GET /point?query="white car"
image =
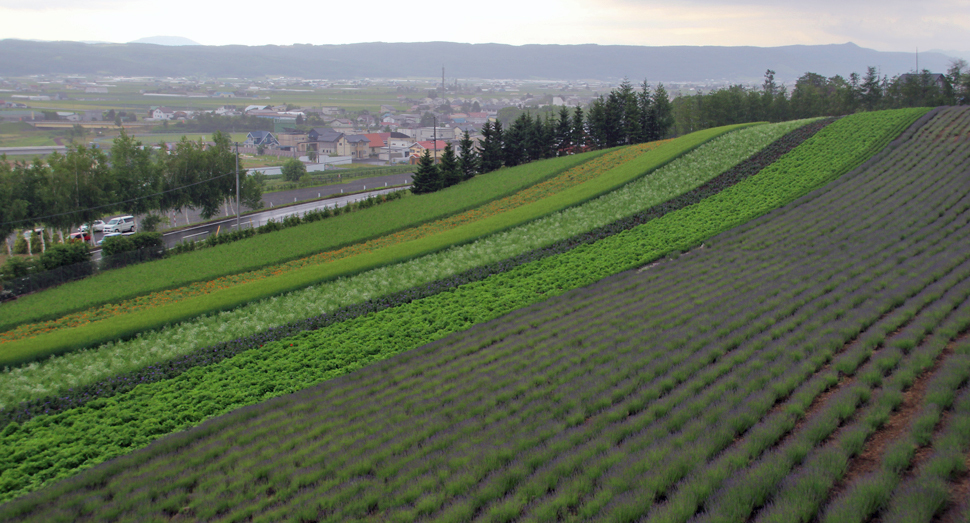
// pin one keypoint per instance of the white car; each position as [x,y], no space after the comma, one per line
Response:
[96,226]
[121,224]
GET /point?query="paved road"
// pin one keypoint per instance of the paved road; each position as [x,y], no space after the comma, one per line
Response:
[257,219]
[38,150]
[284,197]
[201,232]
[272,200]
[275,199]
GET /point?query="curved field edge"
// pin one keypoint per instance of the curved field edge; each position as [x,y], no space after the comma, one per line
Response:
[71,371]
[568,178]
[120,383]
[43,446]
[280,246]
[122,327]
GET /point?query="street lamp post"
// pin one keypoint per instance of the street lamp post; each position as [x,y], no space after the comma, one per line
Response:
[237,186]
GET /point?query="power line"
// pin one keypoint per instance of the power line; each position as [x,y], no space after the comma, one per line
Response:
[41,218]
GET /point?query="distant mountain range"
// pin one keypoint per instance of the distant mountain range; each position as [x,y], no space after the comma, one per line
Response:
[165,40]
[462,61]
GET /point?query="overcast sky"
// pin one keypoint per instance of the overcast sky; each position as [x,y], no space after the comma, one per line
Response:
[885,25]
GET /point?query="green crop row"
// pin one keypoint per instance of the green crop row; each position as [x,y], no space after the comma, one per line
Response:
[49,447]
[279,247]
[124,326]
[81,368]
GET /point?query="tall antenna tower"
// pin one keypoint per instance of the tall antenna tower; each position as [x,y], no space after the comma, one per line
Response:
[442,80]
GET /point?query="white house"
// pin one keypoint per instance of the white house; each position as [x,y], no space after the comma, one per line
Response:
[161,113]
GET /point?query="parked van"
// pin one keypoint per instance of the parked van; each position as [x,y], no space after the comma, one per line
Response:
[120,224]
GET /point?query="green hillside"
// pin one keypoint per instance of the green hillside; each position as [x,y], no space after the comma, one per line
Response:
[779,339]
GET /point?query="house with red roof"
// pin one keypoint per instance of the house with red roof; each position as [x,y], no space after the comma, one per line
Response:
[436,148]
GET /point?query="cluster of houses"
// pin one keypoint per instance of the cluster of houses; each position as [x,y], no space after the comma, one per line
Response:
[392,147]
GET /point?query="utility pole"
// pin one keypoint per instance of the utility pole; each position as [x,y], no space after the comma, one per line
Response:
[434,121]
[237,186]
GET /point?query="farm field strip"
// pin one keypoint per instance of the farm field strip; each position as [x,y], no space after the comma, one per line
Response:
[871,489]
[226,299]
[683,503]
[612,245]
[653,471]
[569,178]
[926,496]
[87,367]
[845,186]
[657,475]
[863,406]
[816,214]
[281,246]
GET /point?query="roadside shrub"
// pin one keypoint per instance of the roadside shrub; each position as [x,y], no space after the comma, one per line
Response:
[15,267]
[65,254]
[116,244]
[119,251]
[20,244]
[141,240]
[35,245]
[144,240]
[293,170]
[150,223]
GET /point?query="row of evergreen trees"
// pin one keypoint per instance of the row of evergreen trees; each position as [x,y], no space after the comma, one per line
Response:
[624,117]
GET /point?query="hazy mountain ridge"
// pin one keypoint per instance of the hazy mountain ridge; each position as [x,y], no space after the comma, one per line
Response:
[390,60]
[165,40]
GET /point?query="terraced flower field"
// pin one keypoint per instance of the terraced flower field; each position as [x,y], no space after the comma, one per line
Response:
[285,245]
[574,176]
[639,397]
[82,372]
[61,341]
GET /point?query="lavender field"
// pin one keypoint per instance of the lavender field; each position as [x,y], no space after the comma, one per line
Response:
[811,364]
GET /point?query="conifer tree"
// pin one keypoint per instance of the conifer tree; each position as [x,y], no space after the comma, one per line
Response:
[645,102]
[579,130]
[564,133]
[468,163]
[515,141]
[491,148]
[596,123]
[662,113]
[449,169]
[427,178]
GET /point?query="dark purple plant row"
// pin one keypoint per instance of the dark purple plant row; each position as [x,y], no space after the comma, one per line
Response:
[215,353]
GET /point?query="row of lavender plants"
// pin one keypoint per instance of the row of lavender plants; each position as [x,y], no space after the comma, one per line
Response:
[926,495]
[564,385]
[802,493]
[871,493]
